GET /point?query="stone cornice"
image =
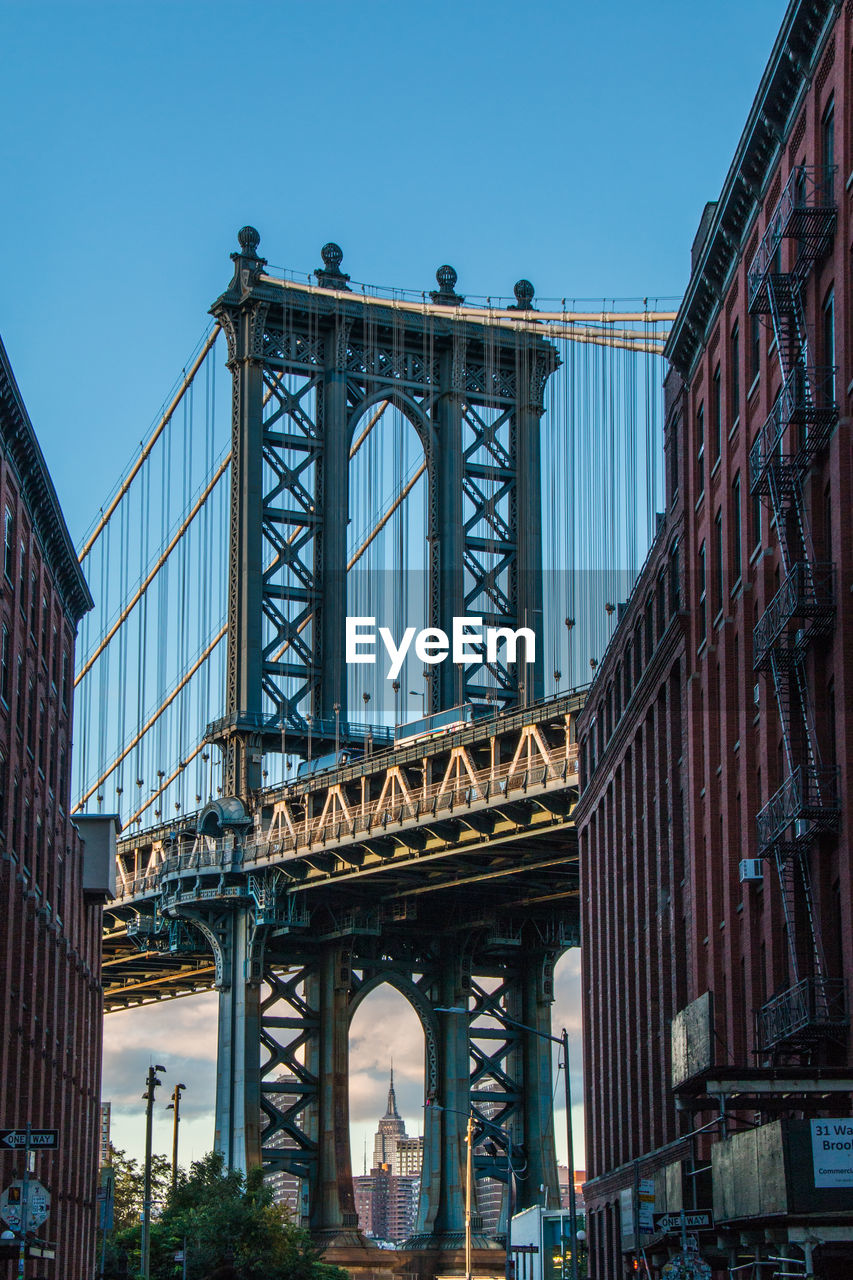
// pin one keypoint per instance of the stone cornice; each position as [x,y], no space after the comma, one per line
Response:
[786,79]
[21,447]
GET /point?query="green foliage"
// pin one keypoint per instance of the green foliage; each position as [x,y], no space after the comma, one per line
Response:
[230,1227]
[129,1184]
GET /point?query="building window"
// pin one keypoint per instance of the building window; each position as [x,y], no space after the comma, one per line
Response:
[717,412]
[16,809]
[673,462]
[54,652]
[661,594]
[674,592]
[718,562]
[627,672]
[754,347]
[703,620]
[37,852]
[22,581]
[755,521]
[34,603]
[736,529]
[42,736]
[4,665]
[60,886]
[19,700]
[31,714]
[45,619]
[700,451]
[3,784]
[63,780]
[650,629]
[9,546]
[25,845]
[829,343]
[734,357]
[617,693]
[828,146]
[65,679]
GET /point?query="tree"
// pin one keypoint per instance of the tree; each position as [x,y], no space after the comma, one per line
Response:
[230,1228]
[129,1185]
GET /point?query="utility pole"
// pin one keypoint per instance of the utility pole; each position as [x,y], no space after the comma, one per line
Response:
[175,1105]
[151,1082]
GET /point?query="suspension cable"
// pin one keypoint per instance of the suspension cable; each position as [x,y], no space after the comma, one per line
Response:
[152,720]
[152,440]
[143,587]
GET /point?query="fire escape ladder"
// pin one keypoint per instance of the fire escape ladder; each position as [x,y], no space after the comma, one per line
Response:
[796,430]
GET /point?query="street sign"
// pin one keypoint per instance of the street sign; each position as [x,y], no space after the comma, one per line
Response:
[38,1204]
[698,1220]
[39,1138]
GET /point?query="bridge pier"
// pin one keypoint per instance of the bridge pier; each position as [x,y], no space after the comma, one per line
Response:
[238,1092]
[333,1216]
[536,992]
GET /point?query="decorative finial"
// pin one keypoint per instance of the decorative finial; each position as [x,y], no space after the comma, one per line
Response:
[446,293]
[446,278]
[330,276]
[524,292]
[249,239]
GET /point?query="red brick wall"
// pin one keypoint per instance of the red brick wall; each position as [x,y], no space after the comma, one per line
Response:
[50,947]
[664,915]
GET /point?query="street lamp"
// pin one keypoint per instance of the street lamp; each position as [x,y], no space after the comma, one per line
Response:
[151,1082]
[563,1040]
[175,1105]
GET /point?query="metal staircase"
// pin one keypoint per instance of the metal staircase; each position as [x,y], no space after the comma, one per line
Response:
[797,429]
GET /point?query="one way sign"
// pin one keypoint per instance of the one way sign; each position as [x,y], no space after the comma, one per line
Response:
[39,1138]
[695,1221]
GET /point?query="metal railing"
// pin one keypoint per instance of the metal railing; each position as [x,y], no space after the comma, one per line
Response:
[808,592]
[358,821]
[806,210]
[813,1009]
[806,804]
[806,401]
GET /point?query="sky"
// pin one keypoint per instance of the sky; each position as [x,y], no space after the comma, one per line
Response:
[573,144]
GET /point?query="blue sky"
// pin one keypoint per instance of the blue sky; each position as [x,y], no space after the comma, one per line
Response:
[572,144]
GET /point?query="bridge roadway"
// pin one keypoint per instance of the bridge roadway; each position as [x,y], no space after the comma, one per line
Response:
[471,826]
[446,868]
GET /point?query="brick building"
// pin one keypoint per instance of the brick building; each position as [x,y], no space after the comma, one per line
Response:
[52,883]
[717,740]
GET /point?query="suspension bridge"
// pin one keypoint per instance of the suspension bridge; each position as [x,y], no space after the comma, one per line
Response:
[298,829]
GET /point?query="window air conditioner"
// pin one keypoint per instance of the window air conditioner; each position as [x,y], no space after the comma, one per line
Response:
[751,869]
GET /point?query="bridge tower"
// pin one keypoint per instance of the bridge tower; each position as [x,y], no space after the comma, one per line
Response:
[306,367]
[307,364]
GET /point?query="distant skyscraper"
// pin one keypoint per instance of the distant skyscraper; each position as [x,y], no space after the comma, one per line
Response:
[386,1199]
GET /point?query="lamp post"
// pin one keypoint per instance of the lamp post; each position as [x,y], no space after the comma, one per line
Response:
[175,1105]
[151,1082]
[469,1139]
[563,1040]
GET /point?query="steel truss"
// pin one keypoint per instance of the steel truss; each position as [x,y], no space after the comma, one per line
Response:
[306,370]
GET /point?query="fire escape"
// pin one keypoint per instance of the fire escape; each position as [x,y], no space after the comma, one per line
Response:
[812,1011]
